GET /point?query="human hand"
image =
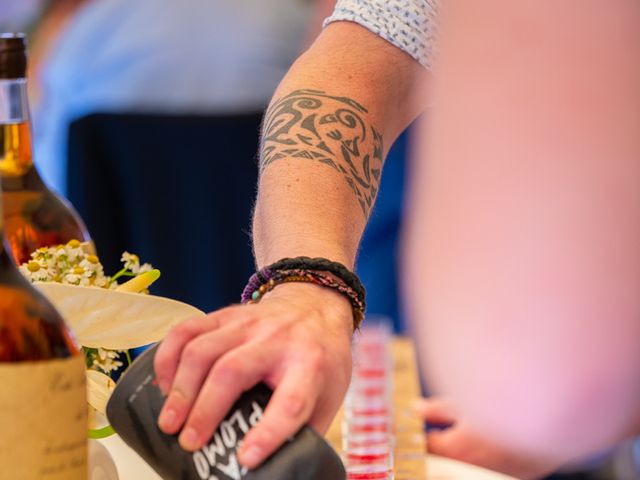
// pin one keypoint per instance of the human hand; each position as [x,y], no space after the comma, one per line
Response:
[459,442]
[296,340]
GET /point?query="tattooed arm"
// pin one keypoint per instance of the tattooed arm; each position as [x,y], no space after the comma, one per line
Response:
[325,136]
[322,154]
[304,124]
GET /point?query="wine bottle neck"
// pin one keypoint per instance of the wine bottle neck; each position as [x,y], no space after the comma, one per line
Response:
[16,159]
[14,105]
[7,265]
[3,253]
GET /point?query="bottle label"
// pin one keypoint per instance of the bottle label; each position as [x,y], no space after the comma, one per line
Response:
[43,420]
[14,107]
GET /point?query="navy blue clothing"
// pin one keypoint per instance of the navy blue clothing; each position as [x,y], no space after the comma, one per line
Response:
[176,190]
[378,260]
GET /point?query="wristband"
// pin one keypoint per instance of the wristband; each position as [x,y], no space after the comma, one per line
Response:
[318,271]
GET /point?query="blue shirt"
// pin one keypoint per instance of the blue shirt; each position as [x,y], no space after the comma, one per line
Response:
[164,56]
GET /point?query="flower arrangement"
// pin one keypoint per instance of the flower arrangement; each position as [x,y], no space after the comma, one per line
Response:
[107,317]
[74,264]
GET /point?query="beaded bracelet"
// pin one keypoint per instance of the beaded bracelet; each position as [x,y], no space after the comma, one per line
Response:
[268,278]
[307,263]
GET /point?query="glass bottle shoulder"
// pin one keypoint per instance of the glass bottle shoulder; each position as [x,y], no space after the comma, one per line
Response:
[30,328]
[36,217]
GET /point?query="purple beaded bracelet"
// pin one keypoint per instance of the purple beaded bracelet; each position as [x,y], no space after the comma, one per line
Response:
[266,279]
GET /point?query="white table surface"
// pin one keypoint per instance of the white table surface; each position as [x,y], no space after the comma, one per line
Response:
[440,468]
[131,467]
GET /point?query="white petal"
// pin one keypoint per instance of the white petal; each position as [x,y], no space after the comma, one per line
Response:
[105,318]
[99,389]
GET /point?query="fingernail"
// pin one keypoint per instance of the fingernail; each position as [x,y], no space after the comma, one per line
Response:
[167,419]
[251,456]
[189,439]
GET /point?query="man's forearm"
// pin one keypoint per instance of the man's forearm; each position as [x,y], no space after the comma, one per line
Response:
[324,139]
[321,160]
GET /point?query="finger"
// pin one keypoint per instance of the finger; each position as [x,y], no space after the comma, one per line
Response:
[325,410]
[196,360]
[167,357]
[443,443]
[434,411]
[169,352]
[458,443]
[289,408]
[234,373]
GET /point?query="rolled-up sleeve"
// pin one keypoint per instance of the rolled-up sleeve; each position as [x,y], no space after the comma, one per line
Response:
[410,25]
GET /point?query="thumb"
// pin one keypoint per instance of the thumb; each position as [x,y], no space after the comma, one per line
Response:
[434,410]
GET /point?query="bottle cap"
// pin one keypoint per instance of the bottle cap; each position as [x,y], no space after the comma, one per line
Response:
[13,55]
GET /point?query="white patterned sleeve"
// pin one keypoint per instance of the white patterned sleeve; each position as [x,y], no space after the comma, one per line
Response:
[410,25]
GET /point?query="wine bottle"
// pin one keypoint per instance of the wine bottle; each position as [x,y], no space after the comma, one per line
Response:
[43,405]
[34,216]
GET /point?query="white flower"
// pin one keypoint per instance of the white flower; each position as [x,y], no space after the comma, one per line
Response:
[35,272]
[42,275]
[44,257]
[74,250]
[58,252]
[131,262]
[71,264]
[90,267]
[107,360]
[93,272]
[145,267]
[71,279]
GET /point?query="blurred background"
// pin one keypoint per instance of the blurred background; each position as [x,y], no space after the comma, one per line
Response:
[146,115]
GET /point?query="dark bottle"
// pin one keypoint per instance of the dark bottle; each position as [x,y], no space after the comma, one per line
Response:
[43,406]
[34,216]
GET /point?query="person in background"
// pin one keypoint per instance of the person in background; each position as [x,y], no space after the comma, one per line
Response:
[522,259]
[19,15]
[219,60]
[147,116]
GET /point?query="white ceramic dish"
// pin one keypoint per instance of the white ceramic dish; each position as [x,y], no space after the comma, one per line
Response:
[130,465]
[101,463]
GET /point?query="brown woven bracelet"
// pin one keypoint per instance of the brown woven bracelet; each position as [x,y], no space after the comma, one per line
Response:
[317,278]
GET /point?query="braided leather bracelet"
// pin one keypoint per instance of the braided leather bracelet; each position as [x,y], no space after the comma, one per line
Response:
[309,270]
[322,265]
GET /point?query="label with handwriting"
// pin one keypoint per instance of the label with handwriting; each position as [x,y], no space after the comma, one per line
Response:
[43,420]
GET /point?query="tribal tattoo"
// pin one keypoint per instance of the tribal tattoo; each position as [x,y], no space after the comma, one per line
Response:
[311,125]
